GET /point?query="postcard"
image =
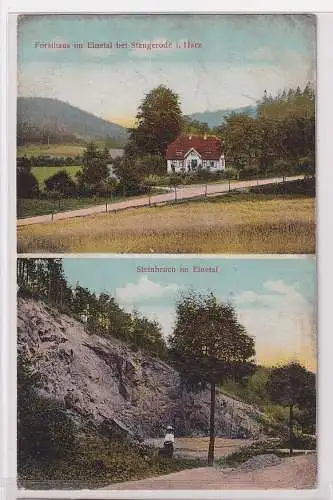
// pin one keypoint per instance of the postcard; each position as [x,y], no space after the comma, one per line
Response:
[166,373]
[169,133]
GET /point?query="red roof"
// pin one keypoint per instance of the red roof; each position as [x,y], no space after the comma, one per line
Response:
[209,148]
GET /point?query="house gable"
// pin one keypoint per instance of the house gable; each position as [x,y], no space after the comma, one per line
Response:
[192,152]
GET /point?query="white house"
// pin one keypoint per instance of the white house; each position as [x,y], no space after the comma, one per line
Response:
[192,153]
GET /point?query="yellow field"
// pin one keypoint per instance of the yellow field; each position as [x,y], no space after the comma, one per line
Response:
[240,225]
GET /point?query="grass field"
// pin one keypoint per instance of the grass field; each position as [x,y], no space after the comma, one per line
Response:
[51,150]
[42,173]
[245,223]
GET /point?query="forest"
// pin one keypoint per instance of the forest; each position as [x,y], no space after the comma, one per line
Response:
[44,279]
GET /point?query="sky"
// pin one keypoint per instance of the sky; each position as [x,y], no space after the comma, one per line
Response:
[274,297]
[238,58]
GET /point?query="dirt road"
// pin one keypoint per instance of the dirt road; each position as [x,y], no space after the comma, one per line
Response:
[197,447]
[183,193]
[292,473]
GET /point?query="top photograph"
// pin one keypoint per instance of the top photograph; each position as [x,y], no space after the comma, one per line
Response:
[166,133]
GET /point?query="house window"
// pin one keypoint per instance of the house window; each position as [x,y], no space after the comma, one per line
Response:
[180,163]
[212,163]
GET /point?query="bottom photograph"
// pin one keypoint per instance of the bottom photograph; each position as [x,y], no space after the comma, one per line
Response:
[166,373]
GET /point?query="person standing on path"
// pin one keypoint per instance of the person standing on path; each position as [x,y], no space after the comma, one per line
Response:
[169,441]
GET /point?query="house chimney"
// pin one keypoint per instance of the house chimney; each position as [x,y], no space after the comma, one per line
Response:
[190,137]
[205,136]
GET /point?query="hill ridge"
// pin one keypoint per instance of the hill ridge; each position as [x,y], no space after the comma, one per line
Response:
[61,116]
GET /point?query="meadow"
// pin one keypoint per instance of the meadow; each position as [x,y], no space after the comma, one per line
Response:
[61,150]
[43,173]
[246,223]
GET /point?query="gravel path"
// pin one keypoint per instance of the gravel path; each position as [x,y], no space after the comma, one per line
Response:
[183,193]
[291,473]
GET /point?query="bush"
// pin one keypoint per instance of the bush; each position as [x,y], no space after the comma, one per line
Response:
[303,187]
[98,462]
[301,442]
[62,183]
[27,185]
[45,430]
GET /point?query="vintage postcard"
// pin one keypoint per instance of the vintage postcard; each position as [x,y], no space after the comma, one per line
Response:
[166,373]
[166,133]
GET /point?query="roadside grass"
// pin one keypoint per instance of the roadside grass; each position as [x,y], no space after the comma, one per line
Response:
[31,207]
[246,223]
[63,150]
[278,447]
[43,173]
[99,462]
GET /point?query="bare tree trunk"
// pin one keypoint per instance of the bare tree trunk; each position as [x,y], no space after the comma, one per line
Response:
[290,430]
[211,426]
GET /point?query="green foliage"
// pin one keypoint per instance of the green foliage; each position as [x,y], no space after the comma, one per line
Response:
[45,430]
[159,121]
[208,346]
[44,279]
[280,168]
[26,184]
[150,165]
[283,130]
[98,462]
[306,167]
[94,170]
[131,174]
[208,343]
[60,183]
[292,384]
[253,390]
[191,126]
[301,187]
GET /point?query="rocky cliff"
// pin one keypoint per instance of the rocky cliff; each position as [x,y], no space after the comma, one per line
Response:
[105,382]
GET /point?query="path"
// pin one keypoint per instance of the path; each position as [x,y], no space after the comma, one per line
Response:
[183,193]
[295,472]
[196,447]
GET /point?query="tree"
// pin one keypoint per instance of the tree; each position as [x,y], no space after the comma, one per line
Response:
[194,127]
[174,181]
[94,170]
[241,135]
[26,184]
[280,168]
[230,174]
[131,178]
[159,122]
[306,167]
[291,385]
[62,183]
[209,346]
[205,176]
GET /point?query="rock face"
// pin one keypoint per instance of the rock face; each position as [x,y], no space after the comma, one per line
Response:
[105,382]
